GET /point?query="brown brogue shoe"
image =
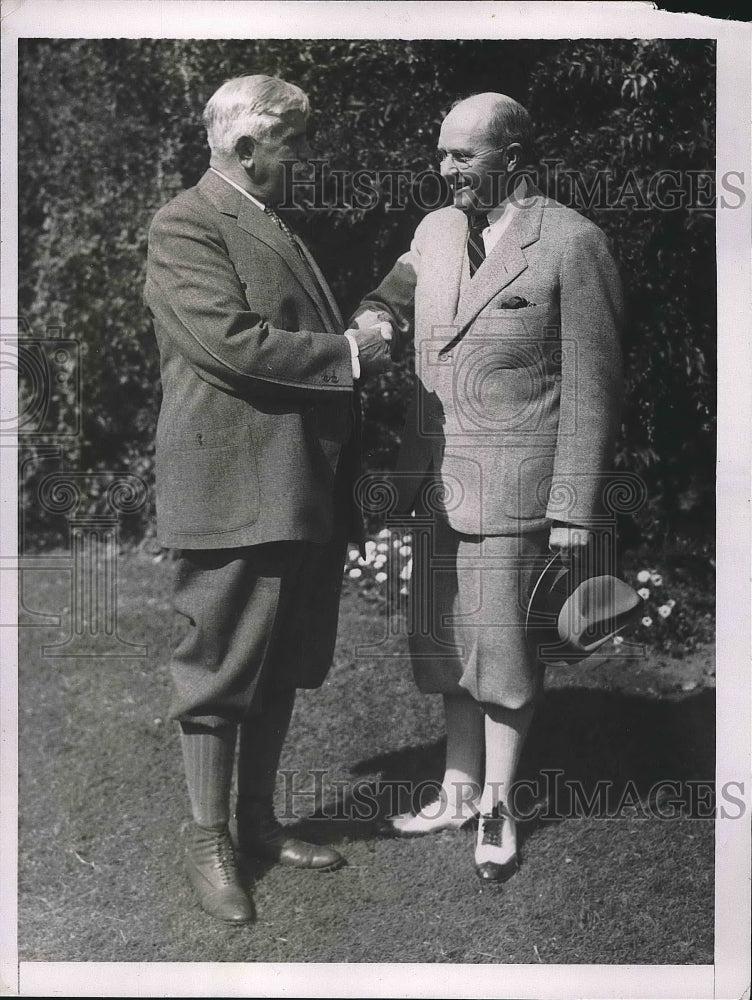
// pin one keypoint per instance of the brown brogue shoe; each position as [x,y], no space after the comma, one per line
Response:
[213,872]
[260,835]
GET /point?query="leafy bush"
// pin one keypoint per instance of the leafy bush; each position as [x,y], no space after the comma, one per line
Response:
[109,130]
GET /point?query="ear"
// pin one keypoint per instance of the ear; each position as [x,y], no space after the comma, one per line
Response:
[245,148]
[514,156]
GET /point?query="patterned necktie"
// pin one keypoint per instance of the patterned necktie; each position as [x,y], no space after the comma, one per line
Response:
[476,250]
[293,239]
[282,225]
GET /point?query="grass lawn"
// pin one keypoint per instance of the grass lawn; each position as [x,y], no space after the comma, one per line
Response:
[102,797]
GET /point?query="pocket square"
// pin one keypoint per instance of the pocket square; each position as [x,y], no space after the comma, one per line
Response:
[515,302]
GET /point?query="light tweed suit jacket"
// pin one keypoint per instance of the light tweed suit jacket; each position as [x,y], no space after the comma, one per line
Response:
[518,370]
[257,410]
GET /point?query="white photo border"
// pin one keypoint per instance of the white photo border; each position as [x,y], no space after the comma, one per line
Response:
[729,975]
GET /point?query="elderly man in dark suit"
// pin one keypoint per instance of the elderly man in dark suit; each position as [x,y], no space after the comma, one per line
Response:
[515,305]
[256,456]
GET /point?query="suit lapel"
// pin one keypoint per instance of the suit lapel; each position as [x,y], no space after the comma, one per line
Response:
[323,286]
[446,270]
[252,220]
[506,261]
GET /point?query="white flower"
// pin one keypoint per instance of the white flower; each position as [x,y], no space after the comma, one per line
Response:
[382,547]
[643,576]
[671,603]
[384,533]
[405,551]
[647,621]
[379,561]
[353,554]
[618,640]
[397,544]
[355,573]
[407,539]
[380,578]
[656,579]
[407,570]
[644,593]
[664,611]
[404,591]
[370,548]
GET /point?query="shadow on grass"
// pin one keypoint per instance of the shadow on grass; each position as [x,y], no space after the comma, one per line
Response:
[589,754]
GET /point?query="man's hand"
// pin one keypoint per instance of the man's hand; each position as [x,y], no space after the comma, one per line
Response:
[373,348]
[569,541]
[371,318]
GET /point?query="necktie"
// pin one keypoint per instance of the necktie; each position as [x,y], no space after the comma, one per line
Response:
[476,250]
[292,238]
[282,225]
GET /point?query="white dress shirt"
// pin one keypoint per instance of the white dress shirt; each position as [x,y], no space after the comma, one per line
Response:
[500,218]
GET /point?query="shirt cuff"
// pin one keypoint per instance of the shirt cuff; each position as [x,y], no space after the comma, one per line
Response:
[353,355]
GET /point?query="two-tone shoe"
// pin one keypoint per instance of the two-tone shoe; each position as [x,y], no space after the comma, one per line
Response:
[496,855]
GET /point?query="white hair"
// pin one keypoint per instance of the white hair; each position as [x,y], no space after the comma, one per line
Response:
[249,105]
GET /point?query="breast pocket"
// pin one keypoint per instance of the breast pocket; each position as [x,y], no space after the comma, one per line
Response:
[210,480]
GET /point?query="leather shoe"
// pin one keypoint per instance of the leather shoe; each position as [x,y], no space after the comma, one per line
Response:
[213,872]
[496,856]
[262,836]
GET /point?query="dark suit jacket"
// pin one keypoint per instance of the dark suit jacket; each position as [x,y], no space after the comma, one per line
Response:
[257,410]
[515,409]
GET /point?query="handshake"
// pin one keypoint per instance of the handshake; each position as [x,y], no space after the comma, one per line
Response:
[371,339]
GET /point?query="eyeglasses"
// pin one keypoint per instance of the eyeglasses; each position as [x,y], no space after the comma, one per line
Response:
[462,160]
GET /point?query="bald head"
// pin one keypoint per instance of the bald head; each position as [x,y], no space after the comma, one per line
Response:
[499,118]
[483,142]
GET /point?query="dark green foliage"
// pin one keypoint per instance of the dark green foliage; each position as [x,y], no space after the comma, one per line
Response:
[109,130]
[629,110]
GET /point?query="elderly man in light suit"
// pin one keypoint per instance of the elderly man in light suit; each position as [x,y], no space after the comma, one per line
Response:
[256,455]
[515,305]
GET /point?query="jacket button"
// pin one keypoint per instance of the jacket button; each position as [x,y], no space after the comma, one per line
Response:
[334,378]
[326,378]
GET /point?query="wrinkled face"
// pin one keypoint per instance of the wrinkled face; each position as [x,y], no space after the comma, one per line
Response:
[471,160]
[288,141]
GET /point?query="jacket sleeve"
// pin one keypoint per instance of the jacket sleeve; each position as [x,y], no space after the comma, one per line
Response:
[591,308]
[394,299]
[196,297]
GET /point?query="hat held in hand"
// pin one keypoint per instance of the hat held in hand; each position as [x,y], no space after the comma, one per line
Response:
[569,617]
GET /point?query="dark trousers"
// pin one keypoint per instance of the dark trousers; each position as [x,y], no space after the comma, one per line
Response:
[253,620]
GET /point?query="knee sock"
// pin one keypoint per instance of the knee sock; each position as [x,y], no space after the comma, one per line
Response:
[261,740]
[505,730]
[208,756]
[464,751]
